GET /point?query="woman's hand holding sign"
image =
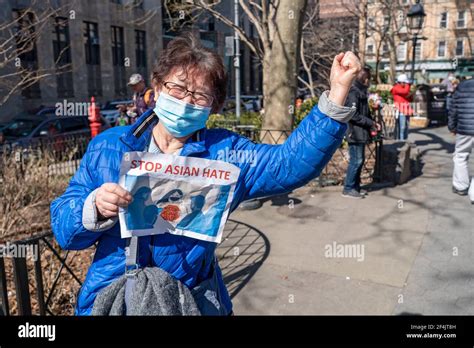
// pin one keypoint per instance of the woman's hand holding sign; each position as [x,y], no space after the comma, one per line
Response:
[344,70]
[110,197]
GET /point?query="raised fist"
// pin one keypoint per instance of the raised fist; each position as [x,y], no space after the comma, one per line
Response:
[344,70]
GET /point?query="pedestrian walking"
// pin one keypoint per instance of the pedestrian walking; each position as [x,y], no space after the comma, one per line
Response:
[461,123]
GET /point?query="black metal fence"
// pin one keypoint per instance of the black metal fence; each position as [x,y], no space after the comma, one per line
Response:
[334,172]
[27,280]
[63,152]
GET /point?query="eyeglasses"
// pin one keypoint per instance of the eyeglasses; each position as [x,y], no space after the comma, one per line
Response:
[181,92]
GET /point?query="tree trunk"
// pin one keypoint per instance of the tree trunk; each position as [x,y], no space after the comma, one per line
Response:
[362,30]
[393,63]
[280,71]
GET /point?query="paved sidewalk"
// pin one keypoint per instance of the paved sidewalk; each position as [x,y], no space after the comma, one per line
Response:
[275,259]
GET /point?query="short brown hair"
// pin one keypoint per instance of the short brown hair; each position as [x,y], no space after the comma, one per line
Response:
[187,52]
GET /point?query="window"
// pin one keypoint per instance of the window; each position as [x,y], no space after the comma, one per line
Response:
[92,49]
[402,51]
[370,49]
[118,50]
[118,61]
[443,21]
[62,58]
[138,4]
[384,48]
[91,43]
[461,19]
[21,128]
[212,24]
[441,49]
[370,24]
[26,51]
[73,124]
[140,52]
[50,128]
[400,18]
[460,47]
[386,22]
[418,50]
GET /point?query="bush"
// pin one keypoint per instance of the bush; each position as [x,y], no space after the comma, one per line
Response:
[228,120]
[385,95]
[304,110]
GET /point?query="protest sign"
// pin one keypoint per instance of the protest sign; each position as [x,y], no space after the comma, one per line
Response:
[175,194]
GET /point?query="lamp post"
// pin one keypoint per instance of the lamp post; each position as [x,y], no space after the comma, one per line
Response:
[416,16]
[237,60]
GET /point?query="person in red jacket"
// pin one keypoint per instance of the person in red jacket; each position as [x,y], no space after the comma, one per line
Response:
[401,98]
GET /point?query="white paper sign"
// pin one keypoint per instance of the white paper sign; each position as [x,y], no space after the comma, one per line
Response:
[175,194]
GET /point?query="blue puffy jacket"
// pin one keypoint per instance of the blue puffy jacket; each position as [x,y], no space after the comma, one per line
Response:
[278,169]
[461,113]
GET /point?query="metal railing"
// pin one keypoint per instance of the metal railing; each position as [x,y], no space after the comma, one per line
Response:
[334,172]
[25,282]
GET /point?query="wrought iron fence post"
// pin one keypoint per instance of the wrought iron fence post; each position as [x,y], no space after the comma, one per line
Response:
[3,288]
[39,282]
[378,161]
[20,274]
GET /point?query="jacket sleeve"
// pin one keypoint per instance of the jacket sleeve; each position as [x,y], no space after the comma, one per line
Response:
[66,210]
[453,113]
[358,119]
[282,168]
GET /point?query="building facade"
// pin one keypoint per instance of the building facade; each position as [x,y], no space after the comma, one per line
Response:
[89,49]
[446,45]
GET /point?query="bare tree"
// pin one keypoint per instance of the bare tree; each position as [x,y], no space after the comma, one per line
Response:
[384,22]
[322,39]
[18,37]
[278,26]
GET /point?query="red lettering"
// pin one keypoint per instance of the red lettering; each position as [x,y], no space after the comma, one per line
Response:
[227,175]
[169,169]
[134,164]
[149,166]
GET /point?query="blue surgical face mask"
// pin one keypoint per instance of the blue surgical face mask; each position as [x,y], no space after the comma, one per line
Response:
[180,118]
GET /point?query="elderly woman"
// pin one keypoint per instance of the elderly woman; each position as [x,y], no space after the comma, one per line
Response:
[190,83]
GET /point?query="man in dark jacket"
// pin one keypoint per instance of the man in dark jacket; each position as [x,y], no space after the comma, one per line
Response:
[358,133]
[461,123]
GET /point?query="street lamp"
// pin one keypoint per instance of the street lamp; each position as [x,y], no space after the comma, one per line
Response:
[416,16]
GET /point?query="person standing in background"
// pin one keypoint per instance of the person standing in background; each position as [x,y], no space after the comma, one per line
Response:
[461,123]
[358,133]
[401,98]
[143,96]
[449,84]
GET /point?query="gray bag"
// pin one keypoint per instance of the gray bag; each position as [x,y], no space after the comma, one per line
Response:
[153,291]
